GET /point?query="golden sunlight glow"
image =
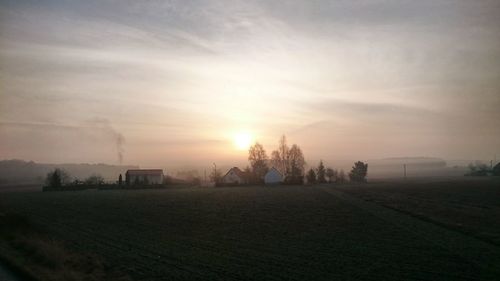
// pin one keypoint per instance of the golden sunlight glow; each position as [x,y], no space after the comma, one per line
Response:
[242,140]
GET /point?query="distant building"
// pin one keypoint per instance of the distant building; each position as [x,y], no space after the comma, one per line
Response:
[273,176]
[144,176]
[235,176]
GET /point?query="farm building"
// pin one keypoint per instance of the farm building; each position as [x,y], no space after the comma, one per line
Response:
[144,176]
[273,176]
[235,176]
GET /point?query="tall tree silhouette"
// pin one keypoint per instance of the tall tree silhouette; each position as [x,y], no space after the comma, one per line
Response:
[311,176]
[215,176]
[341,176]
[331,174]
[57,178]
[279,157]
[321,172]
[258,161]
[359,172]
[296,163]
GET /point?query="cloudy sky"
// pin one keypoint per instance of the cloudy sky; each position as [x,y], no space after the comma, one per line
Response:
[165,82]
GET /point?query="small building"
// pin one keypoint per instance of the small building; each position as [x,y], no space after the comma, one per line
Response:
[273,176]
[234,176]
[144,176]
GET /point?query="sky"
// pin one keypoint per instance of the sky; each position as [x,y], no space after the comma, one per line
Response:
[173,83]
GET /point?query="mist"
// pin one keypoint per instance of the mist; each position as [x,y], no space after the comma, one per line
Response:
[346,81]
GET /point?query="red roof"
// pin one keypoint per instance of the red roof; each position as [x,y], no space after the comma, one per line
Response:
[142,172]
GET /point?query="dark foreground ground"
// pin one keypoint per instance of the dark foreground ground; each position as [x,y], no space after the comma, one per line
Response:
[381,231]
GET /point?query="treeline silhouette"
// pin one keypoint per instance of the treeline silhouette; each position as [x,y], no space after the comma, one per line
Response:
[289,160]
[20,171]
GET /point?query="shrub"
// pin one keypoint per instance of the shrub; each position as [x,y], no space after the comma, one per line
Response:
[94,180]
[57,178]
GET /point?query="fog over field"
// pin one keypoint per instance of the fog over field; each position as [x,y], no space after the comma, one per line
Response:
[171,83]
[250,140]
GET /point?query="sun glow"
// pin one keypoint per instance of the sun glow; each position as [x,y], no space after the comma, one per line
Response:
[242,140]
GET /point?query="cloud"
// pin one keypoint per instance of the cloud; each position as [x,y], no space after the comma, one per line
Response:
[195,142]
[187,73]
[39,125]
[371,108]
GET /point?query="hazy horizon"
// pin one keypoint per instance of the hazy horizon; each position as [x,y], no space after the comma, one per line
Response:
[186,84]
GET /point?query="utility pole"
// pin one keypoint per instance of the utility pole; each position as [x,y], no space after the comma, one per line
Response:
[404,168]
[205,175]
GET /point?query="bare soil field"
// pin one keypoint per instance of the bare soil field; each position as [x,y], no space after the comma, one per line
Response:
[263,233]
[469,205]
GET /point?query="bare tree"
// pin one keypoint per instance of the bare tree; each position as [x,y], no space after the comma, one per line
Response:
[215,176]
[276,160]
[296,163]
[283,151]
[258,161]
[279,157]
[249,178]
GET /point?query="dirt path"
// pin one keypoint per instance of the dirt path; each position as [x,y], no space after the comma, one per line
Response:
[485,255]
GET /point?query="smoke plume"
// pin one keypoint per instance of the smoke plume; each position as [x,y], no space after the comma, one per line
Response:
[117,137]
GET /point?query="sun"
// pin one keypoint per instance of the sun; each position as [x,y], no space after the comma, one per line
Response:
[242,140]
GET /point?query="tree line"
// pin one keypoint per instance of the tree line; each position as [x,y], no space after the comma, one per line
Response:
[479,169]
[321,174]
[290,162]
[59,178]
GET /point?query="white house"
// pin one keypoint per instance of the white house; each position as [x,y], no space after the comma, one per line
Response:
[234,176]
[144,176]
[273,176]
